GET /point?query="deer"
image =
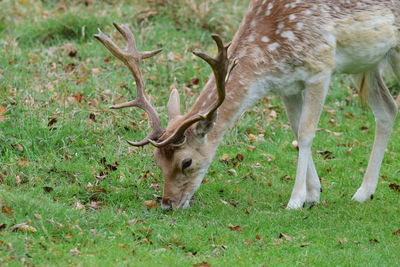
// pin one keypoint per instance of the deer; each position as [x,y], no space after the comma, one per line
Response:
[289,48]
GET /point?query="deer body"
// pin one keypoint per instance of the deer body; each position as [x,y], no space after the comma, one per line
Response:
[288,48]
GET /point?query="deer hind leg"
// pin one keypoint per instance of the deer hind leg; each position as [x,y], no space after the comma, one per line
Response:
[394,60]
[384,109]
[313,101]
[294,105]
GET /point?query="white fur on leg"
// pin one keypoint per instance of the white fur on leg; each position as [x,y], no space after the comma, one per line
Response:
[363,194]
[313,183]
[299,193]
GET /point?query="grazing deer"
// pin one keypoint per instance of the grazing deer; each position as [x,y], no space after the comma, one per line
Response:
[286,47]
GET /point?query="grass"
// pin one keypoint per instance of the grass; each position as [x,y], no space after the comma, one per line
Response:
[57,135]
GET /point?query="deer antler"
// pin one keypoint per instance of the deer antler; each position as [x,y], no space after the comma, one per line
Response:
[131,57]
[222,68]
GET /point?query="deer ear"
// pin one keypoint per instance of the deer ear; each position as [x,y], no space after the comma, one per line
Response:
[204,126]
[174,108]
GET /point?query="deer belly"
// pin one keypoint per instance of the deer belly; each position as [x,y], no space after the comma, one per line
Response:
[363,41]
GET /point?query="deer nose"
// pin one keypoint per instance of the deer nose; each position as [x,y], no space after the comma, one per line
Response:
[166,204]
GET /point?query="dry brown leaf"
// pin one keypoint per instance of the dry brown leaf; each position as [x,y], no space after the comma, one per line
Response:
[251,148]
[3,109]
[395,187]
[23,162]
[52,121]
[79,206]
[23,227]
[331,112]
[252,138]
[202,264]
[75,252]
[18,147]
[136,221]
[7,210]
[284,236]
[396,232]
[151,204]
[3,226]
[236,228]
[95,71]
[306,244]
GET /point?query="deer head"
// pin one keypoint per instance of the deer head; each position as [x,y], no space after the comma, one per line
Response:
[182,150]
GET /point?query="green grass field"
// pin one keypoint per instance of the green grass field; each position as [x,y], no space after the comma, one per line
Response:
[67,172]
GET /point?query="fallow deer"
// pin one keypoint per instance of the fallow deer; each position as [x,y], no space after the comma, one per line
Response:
[286,47]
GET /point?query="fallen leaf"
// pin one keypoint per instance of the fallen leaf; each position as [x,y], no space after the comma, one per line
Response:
[202,264]
[48,189]
[240,157]
[396,232]
[51,122]
[37,216]
[92,117]
[151,204]
[236,228]
[79,206]
[306,244]
[2,226]
[251,148]
[284,236]
[123,247]
[95,71]
[136,221]
[224,202]
[364,129]
[7,210]
[23,227]
[18,147]
[3,110]
[23,162]
[374,241]
[331,112]
[252,138]
[75,252]
[343,241]
[395,187]
[326,154]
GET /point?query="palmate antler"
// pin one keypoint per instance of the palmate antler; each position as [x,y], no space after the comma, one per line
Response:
[131,57]
[220,65]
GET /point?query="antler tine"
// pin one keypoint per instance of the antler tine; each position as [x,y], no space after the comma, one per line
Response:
[222,67]
[131,57]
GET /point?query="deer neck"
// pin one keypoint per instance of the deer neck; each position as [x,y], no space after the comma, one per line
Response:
[242,92]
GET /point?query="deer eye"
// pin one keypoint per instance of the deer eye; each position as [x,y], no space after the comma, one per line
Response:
[186,163]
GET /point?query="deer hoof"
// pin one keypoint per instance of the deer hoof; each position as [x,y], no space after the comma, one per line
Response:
[362,195]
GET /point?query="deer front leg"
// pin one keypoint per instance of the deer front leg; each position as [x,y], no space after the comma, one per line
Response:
[314,98]
[294,105]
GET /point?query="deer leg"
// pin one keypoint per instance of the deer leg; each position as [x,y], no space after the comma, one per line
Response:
[384,109]
[314,98]
[293,105]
